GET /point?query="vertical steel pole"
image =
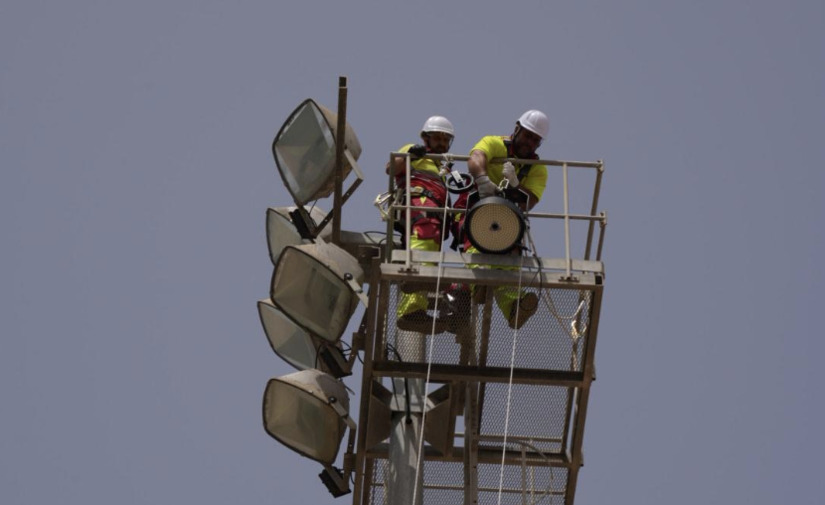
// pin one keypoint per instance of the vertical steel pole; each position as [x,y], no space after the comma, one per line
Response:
[340,137]
[402,484]
[566,221]
[408,222]
[471,428]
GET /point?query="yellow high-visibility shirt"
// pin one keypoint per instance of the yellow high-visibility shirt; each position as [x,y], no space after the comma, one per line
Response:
[423,165]
[493,147]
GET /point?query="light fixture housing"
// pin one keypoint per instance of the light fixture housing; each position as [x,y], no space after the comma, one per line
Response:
[289,341]
[281,231]
[494,225]
[317,286]
[304,151]
[308,411]
[297,347]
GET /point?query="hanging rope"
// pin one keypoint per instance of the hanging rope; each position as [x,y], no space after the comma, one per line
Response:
[572,332]
[510,385]
[573,329]
[418,464]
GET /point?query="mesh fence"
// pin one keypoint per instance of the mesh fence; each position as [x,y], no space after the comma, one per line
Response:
[470,327]
[444,484]
[537,416]
[552,338]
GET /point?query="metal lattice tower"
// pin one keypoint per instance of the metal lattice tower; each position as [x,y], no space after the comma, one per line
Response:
[501,419]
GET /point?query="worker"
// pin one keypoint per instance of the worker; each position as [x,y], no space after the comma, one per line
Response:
[427,189]
[525,186]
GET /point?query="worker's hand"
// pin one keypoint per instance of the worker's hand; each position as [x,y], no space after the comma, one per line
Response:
[509,173]
[445,169]
[485,186]
[417,151]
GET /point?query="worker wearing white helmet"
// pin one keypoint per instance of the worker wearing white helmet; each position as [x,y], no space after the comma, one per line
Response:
[531,129]
[437,136]
[427,189]
[526,183]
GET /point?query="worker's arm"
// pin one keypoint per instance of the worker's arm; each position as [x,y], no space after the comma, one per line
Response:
[532,199]
[416,152]
[400,165]
[477,164]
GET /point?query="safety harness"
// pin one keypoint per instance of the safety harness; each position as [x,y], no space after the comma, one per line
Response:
[418,192]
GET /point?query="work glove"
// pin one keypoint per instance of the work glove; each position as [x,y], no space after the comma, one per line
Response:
[445,169]
[417,151]
[509,173]
[485,187]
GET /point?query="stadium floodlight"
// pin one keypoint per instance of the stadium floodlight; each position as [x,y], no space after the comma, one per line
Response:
[297,347]
[494,225]
[281,231]
[287,339]
[304,151]
[318,286]
[308,411]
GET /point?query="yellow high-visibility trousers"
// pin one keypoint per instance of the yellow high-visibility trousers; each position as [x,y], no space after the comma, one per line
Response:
[505,296]
[412,302]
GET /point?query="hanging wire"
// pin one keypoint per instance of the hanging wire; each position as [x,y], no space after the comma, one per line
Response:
[418,463]
[510,382]
[572,329]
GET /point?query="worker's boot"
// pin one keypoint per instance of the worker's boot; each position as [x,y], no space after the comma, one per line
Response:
[421,322]
[524,308]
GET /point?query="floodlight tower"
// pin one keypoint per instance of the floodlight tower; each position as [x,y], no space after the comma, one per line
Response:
[518,388]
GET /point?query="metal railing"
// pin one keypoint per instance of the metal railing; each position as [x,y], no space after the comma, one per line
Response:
[593,217]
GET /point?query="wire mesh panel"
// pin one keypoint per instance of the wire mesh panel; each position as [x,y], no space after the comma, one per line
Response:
[537,416]
[444,484]
[520,485]
[516,384]
[552,338]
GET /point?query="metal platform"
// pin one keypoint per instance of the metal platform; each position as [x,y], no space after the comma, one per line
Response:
[546,387]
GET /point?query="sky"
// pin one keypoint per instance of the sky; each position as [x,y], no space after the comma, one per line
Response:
[136,172]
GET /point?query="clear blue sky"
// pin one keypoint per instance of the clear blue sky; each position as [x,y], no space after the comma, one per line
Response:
[134,140]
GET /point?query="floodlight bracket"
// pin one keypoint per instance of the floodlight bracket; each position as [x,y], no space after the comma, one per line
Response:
[303,222]
[341,411]
[359,178]
[335,362]
[357,341]
[357,289]
[333,479]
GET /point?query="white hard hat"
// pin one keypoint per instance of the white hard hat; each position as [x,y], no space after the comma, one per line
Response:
[535,121]
[438,124]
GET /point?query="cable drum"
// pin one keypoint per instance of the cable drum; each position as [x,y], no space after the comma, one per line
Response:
[495,225]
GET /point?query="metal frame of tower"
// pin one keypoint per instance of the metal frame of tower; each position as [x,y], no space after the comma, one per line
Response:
[468,373]
[519,395]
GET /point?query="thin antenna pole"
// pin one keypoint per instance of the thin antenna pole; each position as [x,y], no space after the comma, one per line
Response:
[340,138]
